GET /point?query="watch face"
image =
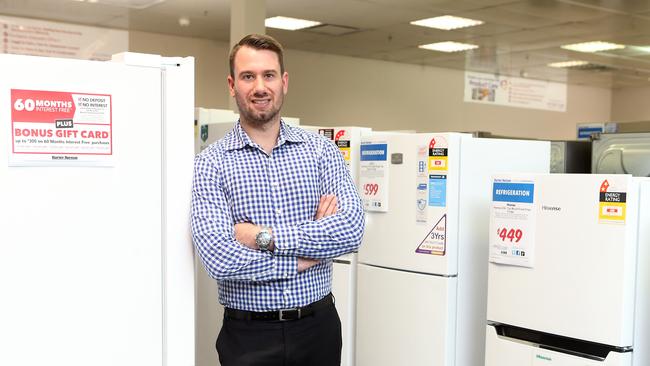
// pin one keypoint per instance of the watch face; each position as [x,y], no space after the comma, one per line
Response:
[263,240]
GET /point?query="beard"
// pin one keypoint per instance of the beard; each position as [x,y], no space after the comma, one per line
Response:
[247,113]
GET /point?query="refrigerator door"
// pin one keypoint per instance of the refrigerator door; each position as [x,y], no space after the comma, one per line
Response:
[411,201]
[582,278]
[622,153]
[504,351]
[96,261]
[394,329]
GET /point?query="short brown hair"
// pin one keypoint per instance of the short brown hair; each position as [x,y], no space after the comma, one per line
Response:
[258,42]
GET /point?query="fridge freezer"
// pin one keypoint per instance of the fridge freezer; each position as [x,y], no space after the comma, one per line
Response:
[427,201]
[583,291]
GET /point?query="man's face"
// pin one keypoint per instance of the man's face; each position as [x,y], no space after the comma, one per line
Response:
[258,85]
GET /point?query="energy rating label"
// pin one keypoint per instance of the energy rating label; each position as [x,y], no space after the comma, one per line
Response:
[512,223]
[60,127]
[612,203]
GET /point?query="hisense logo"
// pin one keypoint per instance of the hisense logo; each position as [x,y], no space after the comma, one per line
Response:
[545,358]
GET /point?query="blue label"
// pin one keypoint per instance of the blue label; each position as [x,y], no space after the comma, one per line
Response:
[513,192]
[438,190]
[586,132]
[374,152]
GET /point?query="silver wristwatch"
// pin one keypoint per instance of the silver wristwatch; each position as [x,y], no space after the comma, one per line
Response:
[264,239]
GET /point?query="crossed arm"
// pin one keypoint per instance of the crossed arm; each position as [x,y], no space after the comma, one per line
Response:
[246,232]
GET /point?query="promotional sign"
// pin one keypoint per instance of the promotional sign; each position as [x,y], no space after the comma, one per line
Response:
[60,128]
[512,223]
[515,92]
[22,36]
[373,176]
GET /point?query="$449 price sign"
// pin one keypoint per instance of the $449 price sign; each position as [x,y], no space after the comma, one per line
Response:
[511,235]
[370,189]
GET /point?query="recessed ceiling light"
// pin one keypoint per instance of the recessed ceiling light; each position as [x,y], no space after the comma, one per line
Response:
[595,46]
[573,63]
[447,22]
[448,46]
[287,23]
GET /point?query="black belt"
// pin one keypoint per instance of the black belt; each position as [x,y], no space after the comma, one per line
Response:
[282,314]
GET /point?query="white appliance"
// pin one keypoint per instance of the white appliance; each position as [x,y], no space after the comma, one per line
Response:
[621,153]
[423,262]
[582,298]
[344,276]
[210,126]
[96,258]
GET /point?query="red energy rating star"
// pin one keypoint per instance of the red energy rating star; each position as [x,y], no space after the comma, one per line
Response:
[510,234]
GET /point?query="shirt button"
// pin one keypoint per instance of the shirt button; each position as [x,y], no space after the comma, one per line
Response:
[286,292]
[274,184]
[278,211]
[286,274]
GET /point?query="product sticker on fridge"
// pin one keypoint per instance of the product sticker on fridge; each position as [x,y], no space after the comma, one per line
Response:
[611,203]
[373,176]
[436,240]
[512,223]
[60,128]
[438,166]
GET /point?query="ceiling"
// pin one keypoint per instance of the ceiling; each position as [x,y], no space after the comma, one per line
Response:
[519,37]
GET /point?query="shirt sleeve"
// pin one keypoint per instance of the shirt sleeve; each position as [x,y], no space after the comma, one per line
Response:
[336,234]
[213,234]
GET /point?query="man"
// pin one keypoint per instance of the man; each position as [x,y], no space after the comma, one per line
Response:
[271,206]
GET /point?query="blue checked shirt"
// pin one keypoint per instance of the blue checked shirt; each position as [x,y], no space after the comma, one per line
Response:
[236,181]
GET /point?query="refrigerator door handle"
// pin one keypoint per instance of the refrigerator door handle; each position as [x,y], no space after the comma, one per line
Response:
[558,343]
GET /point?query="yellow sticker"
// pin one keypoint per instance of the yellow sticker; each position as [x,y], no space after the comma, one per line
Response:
[614,211]
[437,163]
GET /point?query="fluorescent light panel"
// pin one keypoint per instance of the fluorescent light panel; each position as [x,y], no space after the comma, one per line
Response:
[595,46]
[447,22]
[448,46]
[287,23]
[572,63]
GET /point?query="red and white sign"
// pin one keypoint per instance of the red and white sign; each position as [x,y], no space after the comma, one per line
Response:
[54,126]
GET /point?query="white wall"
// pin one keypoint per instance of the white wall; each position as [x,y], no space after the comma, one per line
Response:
[337,90]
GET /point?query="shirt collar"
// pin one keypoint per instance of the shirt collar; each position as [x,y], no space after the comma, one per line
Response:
[238,138]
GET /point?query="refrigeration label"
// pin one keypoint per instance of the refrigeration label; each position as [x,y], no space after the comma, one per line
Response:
[436,240]
[60,128]
[612,201]
[373,176]
[512,223]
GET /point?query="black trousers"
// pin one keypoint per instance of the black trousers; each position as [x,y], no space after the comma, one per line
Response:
[314,340]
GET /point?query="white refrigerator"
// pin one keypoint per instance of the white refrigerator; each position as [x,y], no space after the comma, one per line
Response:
[580,293]
[96,257]
[344,276]
[423,261]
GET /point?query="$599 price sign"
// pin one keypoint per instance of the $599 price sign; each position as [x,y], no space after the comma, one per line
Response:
[509,234]
[370,189]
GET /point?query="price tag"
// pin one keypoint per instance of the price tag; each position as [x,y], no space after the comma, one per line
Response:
[512,223]
[373,176]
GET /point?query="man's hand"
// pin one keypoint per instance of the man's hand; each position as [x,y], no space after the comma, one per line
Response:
[245,233]
[326,207]
[306,263]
